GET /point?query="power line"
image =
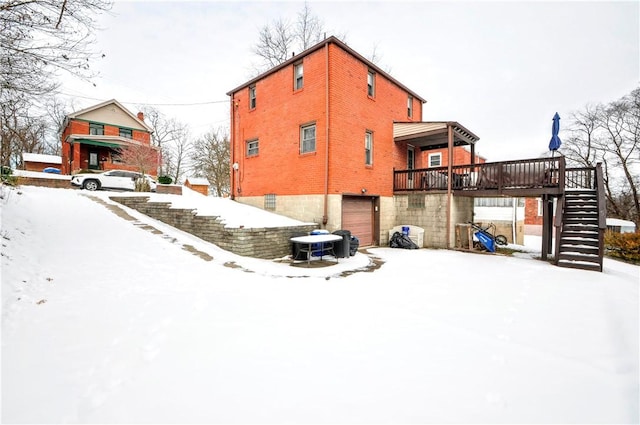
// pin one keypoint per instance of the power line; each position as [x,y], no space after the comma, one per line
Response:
[151,104]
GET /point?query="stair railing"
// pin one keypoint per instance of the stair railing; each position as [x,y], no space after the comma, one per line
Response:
[602,212]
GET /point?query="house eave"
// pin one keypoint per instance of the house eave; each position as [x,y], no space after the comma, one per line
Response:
[321,45]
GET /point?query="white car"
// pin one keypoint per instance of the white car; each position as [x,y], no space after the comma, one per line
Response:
[113,179]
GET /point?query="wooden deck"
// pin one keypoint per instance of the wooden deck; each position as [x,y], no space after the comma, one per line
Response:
[521,178]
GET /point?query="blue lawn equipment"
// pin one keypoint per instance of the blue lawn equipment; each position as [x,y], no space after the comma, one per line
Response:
[488,239]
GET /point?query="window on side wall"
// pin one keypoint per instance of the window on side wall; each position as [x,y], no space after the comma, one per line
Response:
[252,97]
[96,129]
[410,106]
[540,207]
[125,132]
[308,138]
[252,147]
[371,83]
[298,76]
[435,160]
[368,148]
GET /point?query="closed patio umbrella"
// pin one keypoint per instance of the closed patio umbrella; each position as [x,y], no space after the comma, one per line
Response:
[554,143]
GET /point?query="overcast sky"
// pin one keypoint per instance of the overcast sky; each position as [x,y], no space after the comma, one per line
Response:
[501,69]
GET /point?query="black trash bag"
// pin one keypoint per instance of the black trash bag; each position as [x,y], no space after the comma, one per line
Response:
[400,240]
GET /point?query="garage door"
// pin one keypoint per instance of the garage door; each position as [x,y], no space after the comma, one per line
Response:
[357,217]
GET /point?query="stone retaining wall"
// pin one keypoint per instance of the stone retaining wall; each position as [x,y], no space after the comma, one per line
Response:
[44,182]
[266,243]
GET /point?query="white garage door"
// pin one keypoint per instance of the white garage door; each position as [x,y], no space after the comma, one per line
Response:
[357,217]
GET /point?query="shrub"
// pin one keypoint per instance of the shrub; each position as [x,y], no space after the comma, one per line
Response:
[165,180]
[625,246]
[7,177]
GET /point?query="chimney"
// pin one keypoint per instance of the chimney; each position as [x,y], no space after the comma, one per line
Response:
[141,116]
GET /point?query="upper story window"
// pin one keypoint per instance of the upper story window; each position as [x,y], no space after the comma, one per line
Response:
[252,147]
[252,97]
[126,132]
[368,148]
[298,76]
[435,160]
[410,106]
[371,83]
[96,129]
[308,138]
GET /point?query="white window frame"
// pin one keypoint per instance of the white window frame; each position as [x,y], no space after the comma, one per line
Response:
[368,147]
[540,207]
[252,97]
[298,76]
[410,106]
[371,83]
[432,156]
[307,144]
[252,150]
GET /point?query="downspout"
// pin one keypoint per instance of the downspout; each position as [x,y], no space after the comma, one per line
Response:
[232,170]
[450,175]
[325,216]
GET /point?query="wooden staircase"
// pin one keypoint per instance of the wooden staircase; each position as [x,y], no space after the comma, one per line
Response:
[581,241]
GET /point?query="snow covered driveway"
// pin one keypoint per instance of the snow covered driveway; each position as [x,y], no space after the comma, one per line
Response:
[105,320]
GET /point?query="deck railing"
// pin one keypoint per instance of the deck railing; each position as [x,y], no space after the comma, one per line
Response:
[520,174]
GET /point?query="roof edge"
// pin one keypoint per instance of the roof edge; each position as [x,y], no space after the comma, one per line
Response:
[323,43]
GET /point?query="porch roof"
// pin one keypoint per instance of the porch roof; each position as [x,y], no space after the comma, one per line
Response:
[101,140]
[432,134]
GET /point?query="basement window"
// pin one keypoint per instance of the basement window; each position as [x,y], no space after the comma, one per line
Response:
[270,201]
[415,201]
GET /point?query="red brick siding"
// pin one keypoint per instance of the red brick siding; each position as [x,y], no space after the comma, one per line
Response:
[280,111]
[531,212]
[460,156]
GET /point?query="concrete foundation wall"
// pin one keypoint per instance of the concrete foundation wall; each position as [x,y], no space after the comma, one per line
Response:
[433,216]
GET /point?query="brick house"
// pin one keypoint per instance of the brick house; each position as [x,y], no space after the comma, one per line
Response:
[38,161]
[93,138]
[318,137]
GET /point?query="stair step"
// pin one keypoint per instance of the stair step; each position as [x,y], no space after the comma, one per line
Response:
[581,249]
[579,265]
[576,256]
[573,241]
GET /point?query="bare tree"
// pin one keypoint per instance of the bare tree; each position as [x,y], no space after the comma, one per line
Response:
[281,39]
[19,133]
[39,38]
[210,159]
[610,134]
[172,138]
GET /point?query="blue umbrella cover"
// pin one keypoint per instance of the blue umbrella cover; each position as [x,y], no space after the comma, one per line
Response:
[555,142]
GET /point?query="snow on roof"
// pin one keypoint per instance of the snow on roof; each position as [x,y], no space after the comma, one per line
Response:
[619,222]
[201,181]
[39,157]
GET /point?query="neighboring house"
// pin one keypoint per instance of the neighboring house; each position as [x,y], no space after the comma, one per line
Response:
[198,184]
[507,214]
[38,161]
[92,138]
[318,137]
[620,226]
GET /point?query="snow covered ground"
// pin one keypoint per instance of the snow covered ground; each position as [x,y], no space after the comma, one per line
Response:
[116,318]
